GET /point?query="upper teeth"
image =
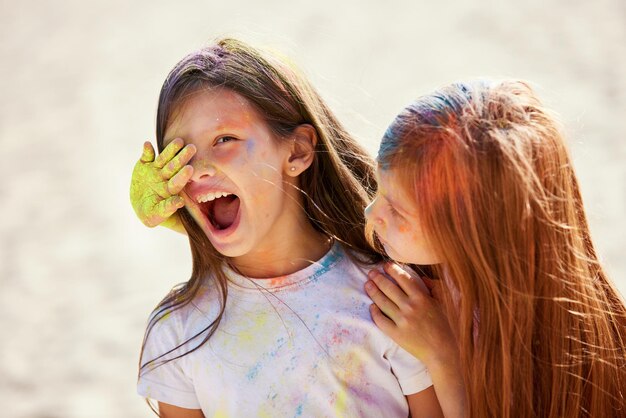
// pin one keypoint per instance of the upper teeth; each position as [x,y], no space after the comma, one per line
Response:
[211,196]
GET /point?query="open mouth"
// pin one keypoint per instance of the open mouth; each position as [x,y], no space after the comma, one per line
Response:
[221,211]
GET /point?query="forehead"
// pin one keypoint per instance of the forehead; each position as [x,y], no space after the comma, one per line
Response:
[388,179]
[207,109]
[393,186]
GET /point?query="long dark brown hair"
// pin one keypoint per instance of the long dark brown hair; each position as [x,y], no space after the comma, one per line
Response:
[541,328]
[335,188]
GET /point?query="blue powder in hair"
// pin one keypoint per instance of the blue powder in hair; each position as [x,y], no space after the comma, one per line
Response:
[436,110]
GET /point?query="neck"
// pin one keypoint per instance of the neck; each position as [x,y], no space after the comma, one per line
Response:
[287,253]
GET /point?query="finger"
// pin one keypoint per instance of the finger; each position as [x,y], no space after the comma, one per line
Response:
[389,288]
[168,153]
[381,300]
[147,155]
[431,284]
[180,180]
[385,324]
[407,283]
[167,207]
[434,286]
[161,189]
[176,163]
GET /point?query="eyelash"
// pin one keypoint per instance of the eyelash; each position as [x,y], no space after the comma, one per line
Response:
[394,212]
[230,139]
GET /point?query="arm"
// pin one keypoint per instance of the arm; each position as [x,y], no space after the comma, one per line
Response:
[414,320]
[171,411]
[448,385]
[156,184]
[424,404]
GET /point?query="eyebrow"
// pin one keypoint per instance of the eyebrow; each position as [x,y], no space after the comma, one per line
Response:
[391,201]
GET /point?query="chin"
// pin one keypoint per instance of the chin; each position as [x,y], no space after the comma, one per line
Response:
[394,255]
[427,260]
[231,250]
[420,259]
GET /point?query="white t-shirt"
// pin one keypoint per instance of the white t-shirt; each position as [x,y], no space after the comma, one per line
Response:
[301,345]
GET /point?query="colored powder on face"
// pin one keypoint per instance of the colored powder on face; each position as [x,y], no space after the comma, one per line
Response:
[250,145]
[202,164]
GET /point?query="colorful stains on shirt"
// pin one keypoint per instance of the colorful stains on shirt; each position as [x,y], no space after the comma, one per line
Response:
[299,345]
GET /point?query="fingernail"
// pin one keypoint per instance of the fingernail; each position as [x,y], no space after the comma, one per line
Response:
[369,285]
[371,273]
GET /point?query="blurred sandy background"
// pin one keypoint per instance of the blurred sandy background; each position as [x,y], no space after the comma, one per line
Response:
[79,83]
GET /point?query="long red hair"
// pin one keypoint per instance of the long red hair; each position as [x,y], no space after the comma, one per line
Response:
[540,327]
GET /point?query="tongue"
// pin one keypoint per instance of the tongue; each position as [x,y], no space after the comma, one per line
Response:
[225,210]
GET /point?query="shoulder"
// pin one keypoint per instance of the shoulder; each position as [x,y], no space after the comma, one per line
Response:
[171,323]
[355,267]
[355,262]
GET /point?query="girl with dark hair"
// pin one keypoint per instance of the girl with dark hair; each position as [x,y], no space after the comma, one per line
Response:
[273,321]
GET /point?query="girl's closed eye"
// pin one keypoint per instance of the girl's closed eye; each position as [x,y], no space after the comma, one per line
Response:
[394,212]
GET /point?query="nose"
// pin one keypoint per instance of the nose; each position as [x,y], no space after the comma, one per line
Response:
[370,214]
[202,167]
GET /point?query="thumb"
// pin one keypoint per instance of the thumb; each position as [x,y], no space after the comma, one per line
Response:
[147,156]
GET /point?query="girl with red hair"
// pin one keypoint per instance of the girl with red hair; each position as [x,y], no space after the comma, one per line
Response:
[476,189]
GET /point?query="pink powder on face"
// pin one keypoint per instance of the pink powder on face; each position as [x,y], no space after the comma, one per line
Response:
[229,154]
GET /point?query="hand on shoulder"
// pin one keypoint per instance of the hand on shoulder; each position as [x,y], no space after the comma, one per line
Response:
[409,314]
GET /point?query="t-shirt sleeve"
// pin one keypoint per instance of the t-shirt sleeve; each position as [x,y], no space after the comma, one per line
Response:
[162,380]
[411,373]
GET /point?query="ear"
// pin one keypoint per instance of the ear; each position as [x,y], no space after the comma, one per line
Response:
[302,150]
